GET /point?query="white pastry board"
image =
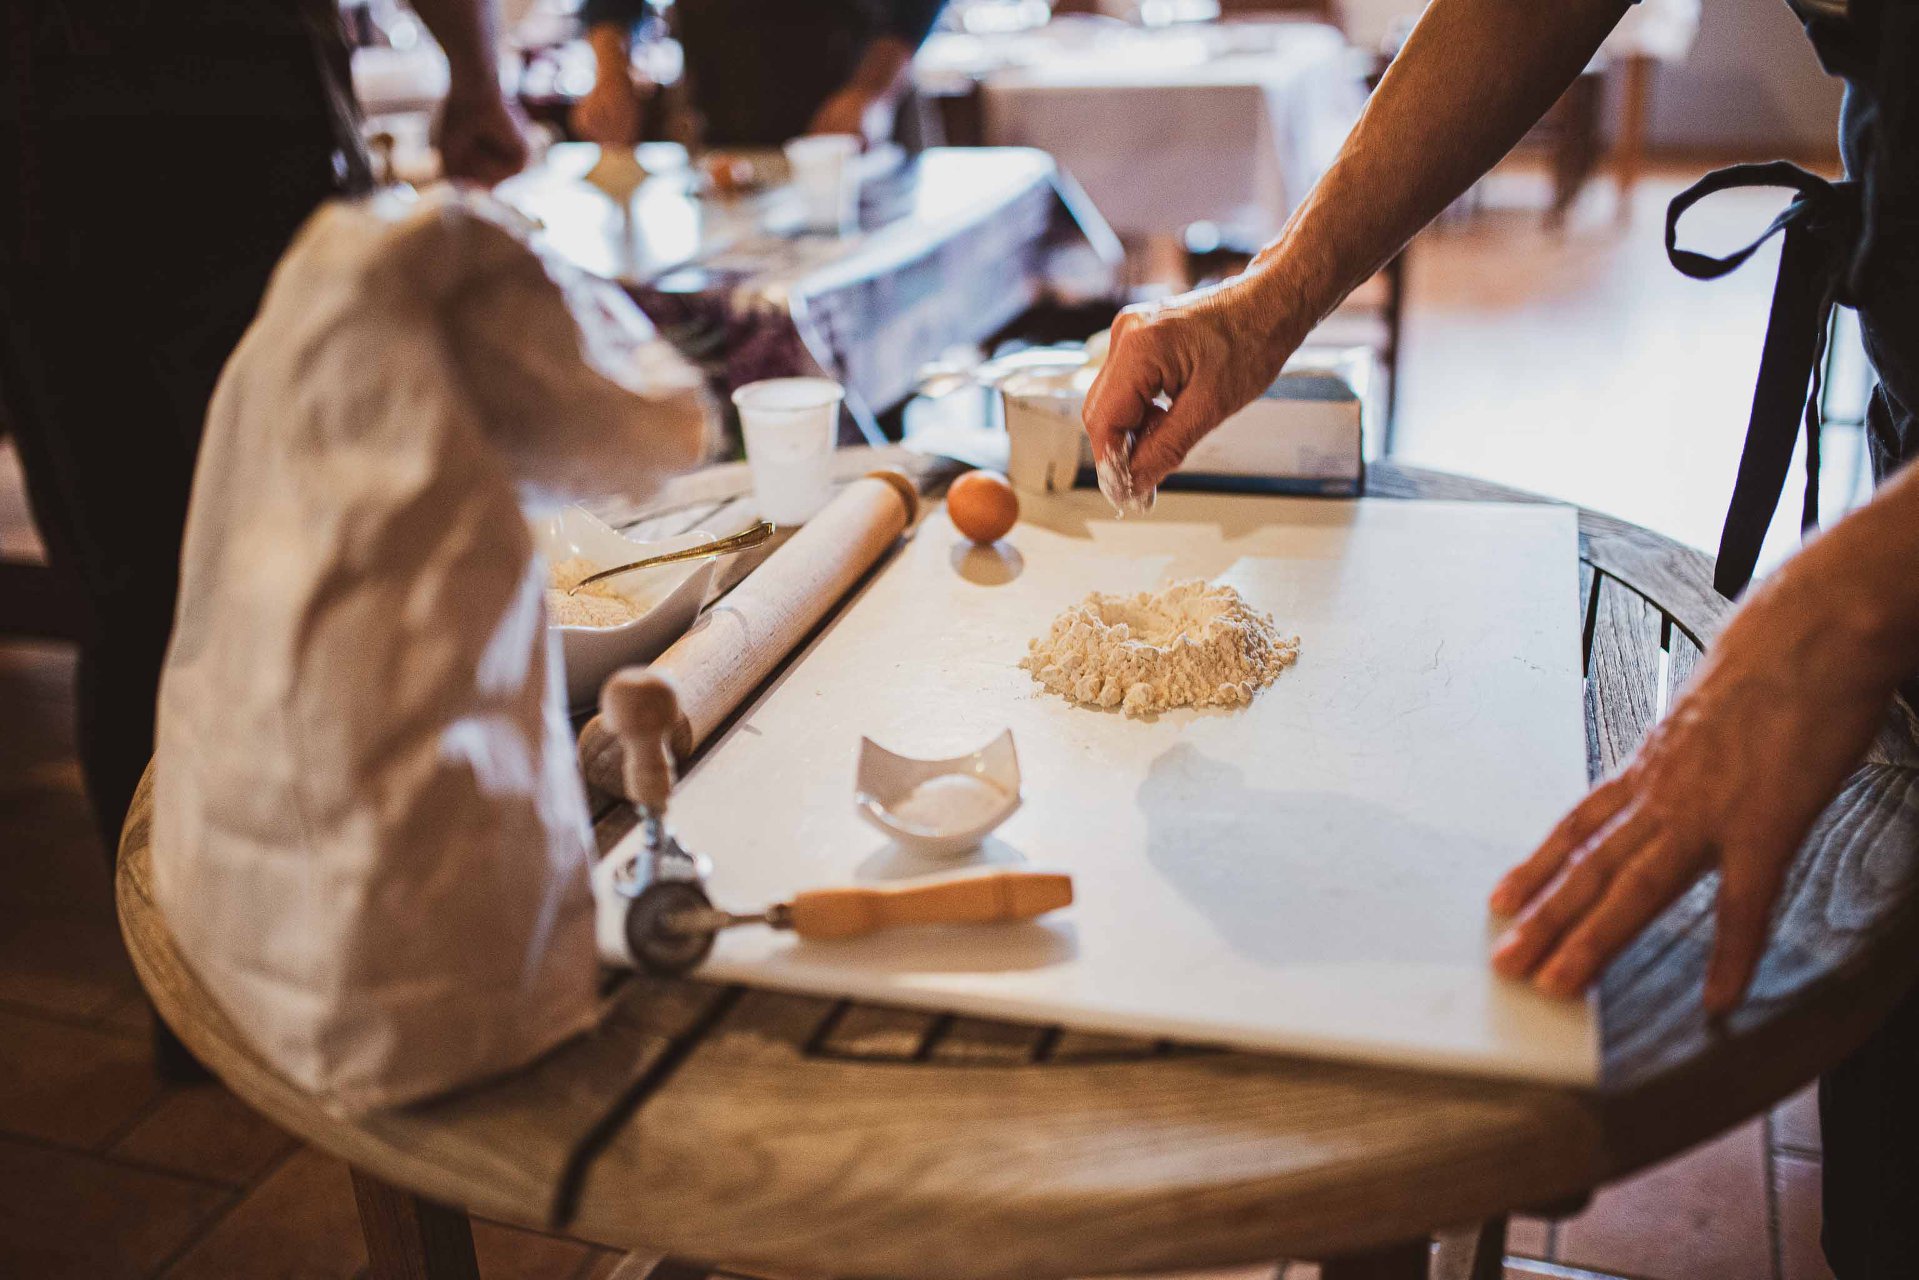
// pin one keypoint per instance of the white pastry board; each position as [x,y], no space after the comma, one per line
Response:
[1307,874]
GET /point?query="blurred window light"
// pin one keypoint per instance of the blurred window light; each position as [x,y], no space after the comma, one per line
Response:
[1000,17]
[1165,13]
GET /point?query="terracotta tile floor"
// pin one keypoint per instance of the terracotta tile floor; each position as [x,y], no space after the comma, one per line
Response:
[105,1174]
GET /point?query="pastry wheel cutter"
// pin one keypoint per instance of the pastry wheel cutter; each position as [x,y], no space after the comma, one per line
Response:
[670,922]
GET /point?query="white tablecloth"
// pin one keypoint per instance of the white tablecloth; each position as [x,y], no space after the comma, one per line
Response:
[1659,29]
[1229,124]
[395,80]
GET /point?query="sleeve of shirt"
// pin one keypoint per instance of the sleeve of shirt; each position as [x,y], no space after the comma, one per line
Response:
[626,13]
[911,20]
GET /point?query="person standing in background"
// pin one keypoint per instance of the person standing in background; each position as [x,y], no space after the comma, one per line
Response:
[155,161]
[763,71]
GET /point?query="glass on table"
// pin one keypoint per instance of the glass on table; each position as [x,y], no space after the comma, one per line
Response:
[826,175]
[791,426]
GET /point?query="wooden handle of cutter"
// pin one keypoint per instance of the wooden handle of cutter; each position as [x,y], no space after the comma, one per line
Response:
[642,708]
[719,663]
[997,898]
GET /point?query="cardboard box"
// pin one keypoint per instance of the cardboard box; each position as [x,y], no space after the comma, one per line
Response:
[1305,435]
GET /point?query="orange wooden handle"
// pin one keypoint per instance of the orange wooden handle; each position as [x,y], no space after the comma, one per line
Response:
[996,898]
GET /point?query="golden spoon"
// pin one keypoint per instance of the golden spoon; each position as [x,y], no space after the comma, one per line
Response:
[741,541]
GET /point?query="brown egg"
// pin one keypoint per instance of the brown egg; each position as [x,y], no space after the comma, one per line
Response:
[983,506]
[728,175]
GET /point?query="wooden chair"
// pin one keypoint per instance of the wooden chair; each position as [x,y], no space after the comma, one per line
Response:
[1569,133]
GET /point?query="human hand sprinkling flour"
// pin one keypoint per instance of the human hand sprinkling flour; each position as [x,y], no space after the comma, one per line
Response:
[1174,370]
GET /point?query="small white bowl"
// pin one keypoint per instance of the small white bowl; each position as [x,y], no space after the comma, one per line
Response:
[668,597]
[884,779]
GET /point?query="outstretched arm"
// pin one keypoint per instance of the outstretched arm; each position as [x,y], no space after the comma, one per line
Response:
[611,111]
[865,104]
[481,136]
[1472,78]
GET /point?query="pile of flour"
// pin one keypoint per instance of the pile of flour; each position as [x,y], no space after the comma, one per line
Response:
[1191,644]
[596,605]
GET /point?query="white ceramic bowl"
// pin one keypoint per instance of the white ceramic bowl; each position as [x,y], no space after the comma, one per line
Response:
[884,778]
[669,598]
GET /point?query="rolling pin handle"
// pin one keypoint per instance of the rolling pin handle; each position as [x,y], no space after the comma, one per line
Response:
[902,484]
[643,707]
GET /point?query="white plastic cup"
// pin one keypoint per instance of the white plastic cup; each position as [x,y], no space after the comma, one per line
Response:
[826,175]
[1044,436]
[791,426]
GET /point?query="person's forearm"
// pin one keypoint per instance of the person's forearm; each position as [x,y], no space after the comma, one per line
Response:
[1860,578]
[468,33]
[882,68]
[612,45]
[1471,79]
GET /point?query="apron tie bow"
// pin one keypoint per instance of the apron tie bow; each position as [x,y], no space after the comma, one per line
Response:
[1821,228]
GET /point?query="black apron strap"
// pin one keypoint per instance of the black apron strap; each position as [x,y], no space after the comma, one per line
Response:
[1821,226]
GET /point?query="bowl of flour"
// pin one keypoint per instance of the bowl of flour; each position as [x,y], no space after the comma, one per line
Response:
[628,619]
[1188,644]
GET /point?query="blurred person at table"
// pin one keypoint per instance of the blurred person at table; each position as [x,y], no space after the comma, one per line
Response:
[155,160]
[1814,661]
[761,72]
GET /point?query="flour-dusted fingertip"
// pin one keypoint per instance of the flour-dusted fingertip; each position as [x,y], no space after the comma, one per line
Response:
[1103,419]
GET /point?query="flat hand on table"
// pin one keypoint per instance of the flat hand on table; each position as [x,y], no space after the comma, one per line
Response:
[1732,779]
[1209,353]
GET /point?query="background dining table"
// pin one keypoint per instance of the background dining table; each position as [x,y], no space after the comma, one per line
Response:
[1225,123]
[952,246]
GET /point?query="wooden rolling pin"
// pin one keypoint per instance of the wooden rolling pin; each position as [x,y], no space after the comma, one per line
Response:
[999,897]
[719,663]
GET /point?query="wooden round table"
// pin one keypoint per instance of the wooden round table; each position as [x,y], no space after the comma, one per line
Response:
[786,1134]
